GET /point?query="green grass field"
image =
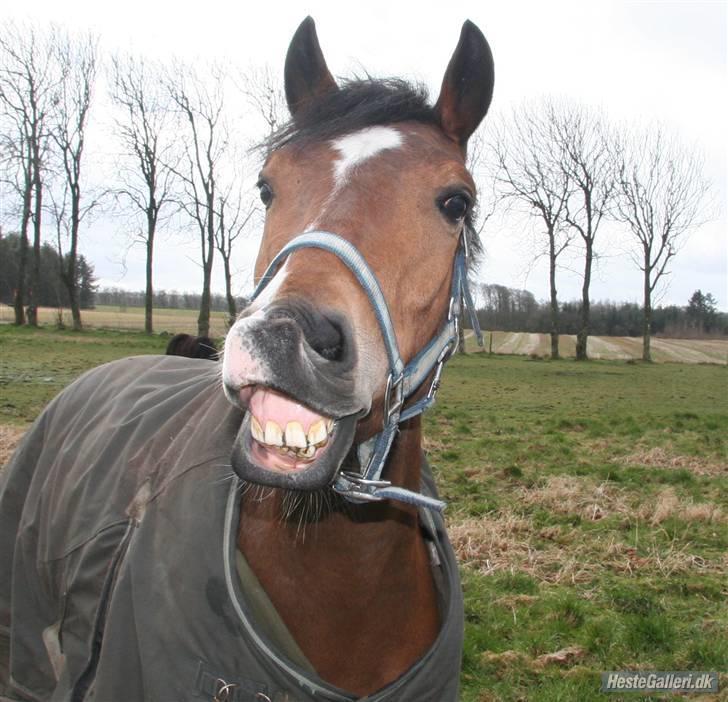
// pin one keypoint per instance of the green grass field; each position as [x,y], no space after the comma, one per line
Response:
[171,321]
[588,505]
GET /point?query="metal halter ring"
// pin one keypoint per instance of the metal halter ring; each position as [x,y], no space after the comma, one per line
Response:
[359,485]
[222,694]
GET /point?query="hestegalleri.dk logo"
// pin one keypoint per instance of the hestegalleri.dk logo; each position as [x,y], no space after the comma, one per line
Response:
[659,681]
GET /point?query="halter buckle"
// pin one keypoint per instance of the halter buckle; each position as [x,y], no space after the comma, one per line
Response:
[442,359]
[393,397]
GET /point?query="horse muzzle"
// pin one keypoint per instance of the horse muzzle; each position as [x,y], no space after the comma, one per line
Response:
[291,366]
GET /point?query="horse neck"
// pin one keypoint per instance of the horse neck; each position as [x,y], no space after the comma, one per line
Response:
[374,558]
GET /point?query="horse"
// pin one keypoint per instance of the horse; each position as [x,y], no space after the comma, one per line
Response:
[192,347]
[267,528]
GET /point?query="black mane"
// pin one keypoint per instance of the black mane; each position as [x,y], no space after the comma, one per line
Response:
[360,103]
[357,104]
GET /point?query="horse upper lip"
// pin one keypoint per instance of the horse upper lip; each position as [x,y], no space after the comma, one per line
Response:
[330,406]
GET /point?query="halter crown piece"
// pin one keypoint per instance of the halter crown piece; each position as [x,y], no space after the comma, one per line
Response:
[403,380]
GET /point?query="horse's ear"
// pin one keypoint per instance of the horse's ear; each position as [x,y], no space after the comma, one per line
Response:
[467,87]
[306,73]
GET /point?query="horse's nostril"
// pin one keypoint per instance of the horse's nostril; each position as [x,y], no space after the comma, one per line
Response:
[331,353]
[325,337]
[324,331]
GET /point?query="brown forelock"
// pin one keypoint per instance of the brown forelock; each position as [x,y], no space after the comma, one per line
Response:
[388,209]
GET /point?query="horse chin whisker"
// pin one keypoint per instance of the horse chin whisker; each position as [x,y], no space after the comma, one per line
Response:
[226,477]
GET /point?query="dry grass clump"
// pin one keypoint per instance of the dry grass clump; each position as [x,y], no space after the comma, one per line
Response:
[431,444]
[492,542]
[568,494]
[668,504]
[507,541]
[665,560]
[660,457]
[565,657]
[9,438]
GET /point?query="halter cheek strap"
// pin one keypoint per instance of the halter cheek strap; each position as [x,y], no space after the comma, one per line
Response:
[403,380]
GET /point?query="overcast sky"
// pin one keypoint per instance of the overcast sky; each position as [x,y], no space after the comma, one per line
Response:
[647,61]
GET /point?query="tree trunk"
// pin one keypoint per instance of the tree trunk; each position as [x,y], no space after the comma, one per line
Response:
[582,337]
[647,318]
[149,291]
[232,310]
[554,299]
[203,319]
[19,295]
[68,276]
[35,263]
[72,282]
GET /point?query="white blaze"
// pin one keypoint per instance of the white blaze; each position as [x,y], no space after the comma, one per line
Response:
[360,146]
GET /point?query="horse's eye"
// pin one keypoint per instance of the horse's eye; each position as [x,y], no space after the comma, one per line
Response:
[455,207]
[266,193]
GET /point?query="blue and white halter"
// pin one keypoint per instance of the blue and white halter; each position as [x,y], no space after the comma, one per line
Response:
[403,380]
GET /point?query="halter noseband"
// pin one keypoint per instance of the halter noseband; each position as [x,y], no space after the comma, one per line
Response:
[403,380]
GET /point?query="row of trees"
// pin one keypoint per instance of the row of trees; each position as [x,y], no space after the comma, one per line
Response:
[572,170]
[177,163]
[175,160]
[162,299]
[45,96]
[509,309]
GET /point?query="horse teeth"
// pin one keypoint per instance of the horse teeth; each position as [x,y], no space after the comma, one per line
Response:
[295,436]
[329,425]
[273,434]
[256,430]
[307,452]
[317,432]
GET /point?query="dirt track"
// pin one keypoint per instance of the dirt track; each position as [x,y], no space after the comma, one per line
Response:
[609,347]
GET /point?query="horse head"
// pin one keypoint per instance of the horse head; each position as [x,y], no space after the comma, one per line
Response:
[368,206]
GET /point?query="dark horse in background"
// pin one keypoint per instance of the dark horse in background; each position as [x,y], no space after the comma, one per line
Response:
[192,347]
[267,529]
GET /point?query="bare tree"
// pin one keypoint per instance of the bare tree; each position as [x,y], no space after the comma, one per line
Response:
[529,160]
[17,182]
[235,212]
[144,130]
[265,95]
[200,106]
[661,194]
[77,60]
[479,167]
[28,83]
[583,137]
